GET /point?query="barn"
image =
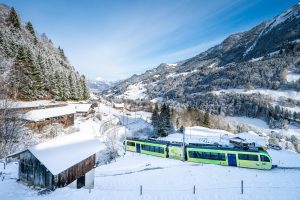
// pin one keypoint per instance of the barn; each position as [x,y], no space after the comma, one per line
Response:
[83,109]
[60,162]
[37,119]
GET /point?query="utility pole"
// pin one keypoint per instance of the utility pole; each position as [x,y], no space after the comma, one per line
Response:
[183,146]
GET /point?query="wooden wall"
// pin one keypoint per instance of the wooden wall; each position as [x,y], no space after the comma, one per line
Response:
[68,176]
[32,172]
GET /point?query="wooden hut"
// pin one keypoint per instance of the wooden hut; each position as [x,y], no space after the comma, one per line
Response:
[37,119]
[83,109]
[60,162]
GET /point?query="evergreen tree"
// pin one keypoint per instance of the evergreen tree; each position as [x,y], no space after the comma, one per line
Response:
[57,87]
[73,94]
[42,74]
[62,53]
[206,121]
[155,120]
[16,73]
[13,18]
[181,129]
[165,121]
[29,27]
[85,90]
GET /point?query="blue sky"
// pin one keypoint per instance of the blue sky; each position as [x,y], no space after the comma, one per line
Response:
[115,39]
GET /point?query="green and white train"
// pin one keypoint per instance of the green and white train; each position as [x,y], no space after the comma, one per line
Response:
[255,158]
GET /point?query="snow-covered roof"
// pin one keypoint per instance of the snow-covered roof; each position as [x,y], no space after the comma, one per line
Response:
[64,152]
[81,107]
[29,104]
[119,105]
[40,114]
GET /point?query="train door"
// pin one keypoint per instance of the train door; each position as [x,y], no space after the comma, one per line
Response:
[231,159]
[138,148]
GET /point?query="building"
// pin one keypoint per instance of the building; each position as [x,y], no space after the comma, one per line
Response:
[119,106]
[37,119]
[59,162]
[83,109]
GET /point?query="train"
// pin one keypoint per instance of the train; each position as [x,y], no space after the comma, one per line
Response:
[254,158]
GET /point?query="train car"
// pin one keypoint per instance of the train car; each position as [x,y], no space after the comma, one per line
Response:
[150,147]
[252,158]
[175,151]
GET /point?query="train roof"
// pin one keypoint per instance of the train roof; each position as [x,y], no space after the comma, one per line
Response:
[214,146]
[227,148]
[149,140]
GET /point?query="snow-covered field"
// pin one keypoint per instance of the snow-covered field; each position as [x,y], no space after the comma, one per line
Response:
[273,94]
[261,126]
[170,179]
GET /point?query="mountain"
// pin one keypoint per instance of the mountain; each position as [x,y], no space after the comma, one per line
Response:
[31,67]
[265,58]
[99,84]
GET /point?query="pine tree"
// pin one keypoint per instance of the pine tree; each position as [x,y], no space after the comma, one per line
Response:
[206,121]
[57,87]
[165,121]
[13,19]
[62,53]
[155,120]
[73,95]
[29,27]
[85,90]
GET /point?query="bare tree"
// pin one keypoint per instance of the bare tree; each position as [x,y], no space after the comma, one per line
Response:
[11,125]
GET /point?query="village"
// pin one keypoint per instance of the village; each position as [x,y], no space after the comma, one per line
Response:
[88,139]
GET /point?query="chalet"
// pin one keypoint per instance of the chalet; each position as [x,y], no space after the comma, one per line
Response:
[83,109]
[59,162]
[37,119]
[119,106]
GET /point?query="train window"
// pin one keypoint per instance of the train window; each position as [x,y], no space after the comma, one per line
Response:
[206,155]
[131,144]
[214,156]
[248,157]
[221,156]
[192,154]
[243,157]
[253,157]
[264,158]
[199,154]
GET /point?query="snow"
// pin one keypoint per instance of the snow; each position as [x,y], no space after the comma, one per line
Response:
[256,59]
[291,77]
[295,41]
[41,114]
[198,134]
[163,178]
[61,153]
[81,107]
[283,17]
[261,126]
[274,94]
[135,91]
[32,104]
[174,75]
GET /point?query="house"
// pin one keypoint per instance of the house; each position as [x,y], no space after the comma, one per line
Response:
[60,162]
[119,106]
[37,119]
[83,109]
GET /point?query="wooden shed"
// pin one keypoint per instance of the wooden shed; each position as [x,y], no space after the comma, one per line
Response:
[83,109]
[37,119]
[60,162]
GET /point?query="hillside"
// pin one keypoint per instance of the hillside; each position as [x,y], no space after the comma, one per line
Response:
[31,67]
[231,77]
